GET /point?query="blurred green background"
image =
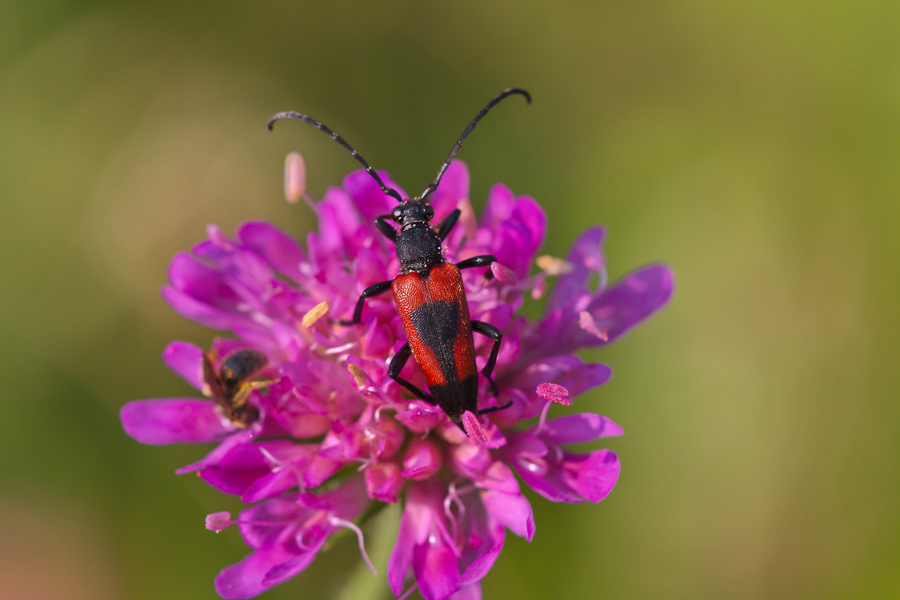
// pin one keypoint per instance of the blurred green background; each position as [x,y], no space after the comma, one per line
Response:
[753,146]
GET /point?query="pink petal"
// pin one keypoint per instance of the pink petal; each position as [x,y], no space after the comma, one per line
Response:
[586,258]
[186,360]
[574,429]
[483,563]
[173,421]
[246,578]
[295,566]
[454,187]
[631,300]
[277,247]
[512,510]
[436,569]
[402,555]
[592,476]
[470,591]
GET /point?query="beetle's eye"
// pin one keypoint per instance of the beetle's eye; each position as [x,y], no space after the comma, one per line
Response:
[397,214]
[429,212]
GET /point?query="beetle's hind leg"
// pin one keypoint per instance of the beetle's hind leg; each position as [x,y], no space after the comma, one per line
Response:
[490,332]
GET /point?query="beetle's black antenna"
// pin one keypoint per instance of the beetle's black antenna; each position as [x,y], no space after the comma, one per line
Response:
[295,115]
[437,180]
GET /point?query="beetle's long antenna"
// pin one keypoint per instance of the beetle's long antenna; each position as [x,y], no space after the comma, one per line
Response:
[295,115]
[437,180]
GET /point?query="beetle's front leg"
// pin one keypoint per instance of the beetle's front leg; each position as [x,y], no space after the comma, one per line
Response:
[447,224]
[381,222]
[479,261]
[372,290]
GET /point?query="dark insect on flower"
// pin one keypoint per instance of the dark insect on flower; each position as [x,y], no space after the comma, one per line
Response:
[430,296]
[231,385]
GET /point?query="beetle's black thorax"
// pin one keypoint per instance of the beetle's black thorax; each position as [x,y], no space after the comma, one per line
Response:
[418,245]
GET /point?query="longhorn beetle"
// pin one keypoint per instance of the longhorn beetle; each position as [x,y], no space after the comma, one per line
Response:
[430,296]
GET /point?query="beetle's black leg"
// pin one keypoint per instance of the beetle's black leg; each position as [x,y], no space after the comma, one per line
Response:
[384,227]
[372,290]
[490,332]
[397,364]
[485,411]
[479,261]
[447,224]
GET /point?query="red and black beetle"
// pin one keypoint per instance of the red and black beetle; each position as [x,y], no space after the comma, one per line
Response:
[430,296]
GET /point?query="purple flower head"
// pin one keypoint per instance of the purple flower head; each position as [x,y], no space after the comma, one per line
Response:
[308,426]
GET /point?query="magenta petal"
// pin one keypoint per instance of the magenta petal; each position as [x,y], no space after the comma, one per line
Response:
[200,282]
[453,188]
[592,476]
[402,555]
[295,566]
[186,360]
[274,245]
[585,258]
[471,591]
[173,421]
[574,429]
[236,438]
[483,563]
[201,312]
[499,207]
[245,579]
[420,417]
[631,300]
[239,468]
[549,488]
[533,218]
[511,510]
[370,201]
[270,485]
[436,569]
[499,478]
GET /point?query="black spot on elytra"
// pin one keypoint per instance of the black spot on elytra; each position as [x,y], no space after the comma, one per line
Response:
[437,324]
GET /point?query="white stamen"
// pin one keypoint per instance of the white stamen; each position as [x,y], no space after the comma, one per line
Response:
[359,535]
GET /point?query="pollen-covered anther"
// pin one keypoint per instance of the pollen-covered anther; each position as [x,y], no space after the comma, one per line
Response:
[314,314]
[218,521]
[586,322]
[504,275]
[552,265]
[554,392]
[359,376]
[473,429]
[294,177]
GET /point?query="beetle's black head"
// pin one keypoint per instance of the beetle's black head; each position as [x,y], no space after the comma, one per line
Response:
[411,212]
[418,245]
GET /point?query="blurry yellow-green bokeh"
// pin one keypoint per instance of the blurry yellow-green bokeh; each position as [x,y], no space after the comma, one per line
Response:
[753,146]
